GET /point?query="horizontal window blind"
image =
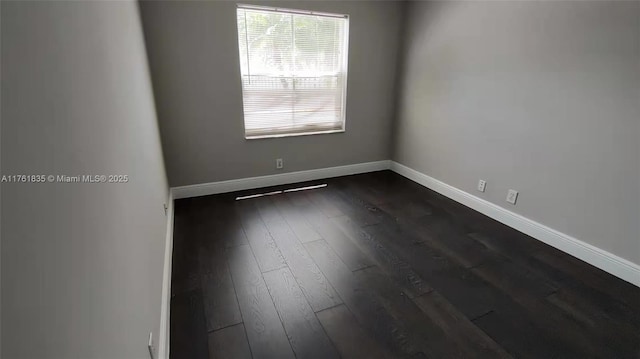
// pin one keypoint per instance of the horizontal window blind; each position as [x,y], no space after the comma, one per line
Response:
[294,70]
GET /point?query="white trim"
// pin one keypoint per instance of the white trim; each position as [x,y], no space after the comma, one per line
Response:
[165,309]
[595,256]
[290,11]
[294,134]
[205,189]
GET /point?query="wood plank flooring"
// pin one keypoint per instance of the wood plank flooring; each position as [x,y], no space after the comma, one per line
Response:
[377,266]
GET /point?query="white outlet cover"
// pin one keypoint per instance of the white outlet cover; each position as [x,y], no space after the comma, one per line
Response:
[482,185]
[512,196]
[279,163]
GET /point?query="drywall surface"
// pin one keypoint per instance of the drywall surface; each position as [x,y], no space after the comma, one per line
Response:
[81,262]
[193,53]
[542,97]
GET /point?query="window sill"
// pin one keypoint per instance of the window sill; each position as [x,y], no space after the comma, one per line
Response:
[295,134]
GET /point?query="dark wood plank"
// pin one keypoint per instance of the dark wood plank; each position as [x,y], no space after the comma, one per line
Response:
[296,220]
[231,231]
[225,222]
[620,335]
[563,274]
[315,286]
[387,259]
[428,334]
[443,331]
[219,298]
[354,206]
[265,333]
[604,311]
[350,339]
[440,232]
[396,187]
[350,254]
[617,334]
[516,280]
[472,295]
[520,337]
[520,252]
[517,250]
[264,247]
[305,333]
[298,199]
[188,330]
[459,330]
[362,302]
[325,203]
[414,207]
[363,186]
[528,291]
[627,294]
[185,270]
[469,293]
[460,216]
[230,342]
[220,304]
[418,255]
[382,187]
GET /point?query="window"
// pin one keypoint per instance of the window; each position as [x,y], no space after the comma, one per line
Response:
[294,71]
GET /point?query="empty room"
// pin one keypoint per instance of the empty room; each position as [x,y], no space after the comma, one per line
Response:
[319,179]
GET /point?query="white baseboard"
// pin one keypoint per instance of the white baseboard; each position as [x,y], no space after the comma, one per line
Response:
[205,189]
[163,336]
[595,256]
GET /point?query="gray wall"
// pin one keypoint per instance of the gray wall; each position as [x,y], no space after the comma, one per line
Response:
[193,52]
[542,97]
[81,263]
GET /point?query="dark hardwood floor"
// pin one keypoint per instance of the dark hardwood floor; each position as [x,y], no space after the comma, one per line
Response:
[377,266]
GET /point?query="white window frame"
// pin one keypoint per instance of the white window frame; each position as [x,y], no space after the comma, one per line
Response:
[345,66]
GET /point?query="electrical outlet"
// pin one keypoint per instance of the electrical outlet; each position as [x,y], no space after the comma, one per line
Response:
[279,163]
[481,185]
[166,209]
[512,196]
